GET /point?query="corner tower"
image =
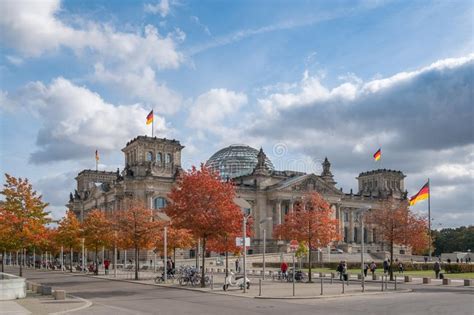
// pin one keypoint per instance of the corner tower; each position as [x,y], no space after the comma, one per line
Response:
[382,183]
[152,156]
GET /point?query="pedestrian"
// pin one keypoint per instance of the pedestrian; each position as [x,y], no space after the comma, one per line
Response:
[366,268]
[284,269]
[345,275]
[373,267]
[426,259]
[437,268]
[106,266]
[457,260]
[339,270]
[237,267]
[449,260]
[400,267]
[169,266]
[385,266]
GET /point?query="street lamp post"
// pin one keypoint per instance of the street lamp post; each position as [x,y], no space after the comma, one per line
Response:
[244,248]
[115,254]
[362,213]
[264,244]
[165,253]
[83,256]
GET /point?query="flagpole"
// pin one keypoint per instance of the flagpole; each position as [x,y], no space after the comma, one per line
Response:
[429,218]
[152,125]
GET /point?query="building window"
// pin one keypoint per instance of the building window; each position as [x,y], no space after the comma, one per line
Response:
[365,236]
[149,156]
[168,158]
[346,234]
[159,203]
[373,236]
[356,231]
[158,158]
[346,216]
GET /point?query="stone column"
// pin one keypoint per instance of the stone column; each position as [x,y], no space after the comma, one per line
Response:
[291,206]
[351,227]
[278,211]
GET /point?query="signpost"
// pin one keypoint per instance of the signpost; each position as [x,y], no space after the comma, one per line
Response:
[293,249]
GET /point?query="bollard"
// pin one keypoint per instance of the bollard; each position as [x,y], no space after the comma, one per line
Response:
[395,282]
[321,286]
[333,275]
[342,287]
[446,281]
[59,294]
[382,284]
[426,280]
[259,287]
[407,279]
[468,282]
[212,281]
[45,290]
[386,283]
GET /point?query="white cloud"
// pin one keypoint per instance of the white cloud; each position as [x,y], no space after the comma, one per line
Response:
[143,86]
[76,121]
[162,8]
[211,109]
[33,28]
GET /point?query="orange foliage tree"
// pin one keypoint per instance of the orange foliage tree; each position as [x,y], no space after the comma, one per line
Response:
[69,233]
[311,222]
[175,238]
[8,241]
[137,228]
[27,208]
[203,204]
[97,231]
[397,224]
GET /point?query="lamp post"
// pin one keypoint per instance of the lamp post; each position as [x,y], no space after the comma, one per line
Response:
[362,213]
[264,243]
[165,253]
[115,254]
[83,256]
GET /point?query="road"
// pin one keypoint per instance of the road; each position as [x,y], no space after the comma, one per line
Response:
[129,298]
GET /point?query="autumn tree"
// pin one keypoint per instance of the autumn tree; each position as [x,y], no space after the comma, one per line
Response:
[137,228]
[8,239]
[23,203]
[69,233]
[176,238]
[203,204]
[310,222]
[396,224]
[97,231]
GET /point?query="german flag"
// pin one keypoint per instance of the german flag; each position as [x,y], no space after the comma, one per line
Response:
[96,155]
[378,155]
[149,118]
[423,194]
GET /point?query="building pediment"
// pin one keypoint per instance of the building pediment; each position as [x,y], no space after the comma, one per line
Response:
[306,183]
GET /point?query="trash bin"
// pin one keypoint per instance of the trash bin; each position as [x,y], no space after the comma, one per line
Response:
[441,275]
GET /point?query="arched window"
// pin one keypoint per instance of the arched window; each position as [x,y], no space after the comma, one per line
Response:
[159,203]
[346,234]
[149,156]
[365,236]
[356,231]
[168,158]
[159,158]
[373,235]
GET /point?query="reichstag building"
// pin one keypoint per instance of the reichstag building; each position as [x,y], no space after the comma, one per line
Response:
[151,167]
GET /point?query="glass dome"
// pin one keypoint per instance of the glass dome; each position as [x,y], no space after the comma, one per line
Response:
[235,160]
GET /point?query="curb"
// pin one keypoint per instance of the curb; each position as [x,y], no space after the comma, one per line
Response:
[335,296]
[88,304]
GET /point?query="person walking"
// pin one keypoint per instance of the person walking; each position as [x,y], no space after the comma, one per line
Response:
[237,266]
[437,268]
[400,267]
[106,266]
[385,266]
[373,267]
[339,270]
[366,268]
[284,269]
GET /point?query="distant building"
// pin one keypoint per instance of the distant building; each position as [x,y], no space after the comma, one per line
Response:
[152,166]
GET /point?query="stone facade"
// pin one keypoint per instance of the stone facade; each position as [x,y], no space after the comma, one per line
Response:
[152,165]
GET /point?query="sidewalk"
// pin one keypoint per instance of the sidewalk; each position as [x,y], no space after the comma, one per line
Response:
[41,305]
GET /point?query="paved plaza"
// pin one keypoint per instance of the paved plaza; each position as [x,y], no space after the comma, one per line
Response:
[127,297]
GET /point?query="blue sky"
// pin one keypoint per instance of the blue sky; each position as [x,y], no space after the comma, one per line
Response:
[312,78]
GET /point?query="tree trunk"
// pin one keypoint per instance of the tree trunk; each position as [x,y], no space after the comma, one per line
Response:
[70,263]
[203,280]
[3,261]
[227,264]
[310,261]
[96,269]
[137,251]
[174,255]
[391,260]
[21,269]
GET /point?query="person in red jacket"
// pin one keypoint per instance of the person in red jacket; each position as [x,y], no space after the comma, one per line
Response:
[106,266]
[284,269]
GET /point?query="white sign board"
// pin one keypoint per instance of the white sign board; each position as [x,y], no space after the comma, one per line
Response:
[238,241]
